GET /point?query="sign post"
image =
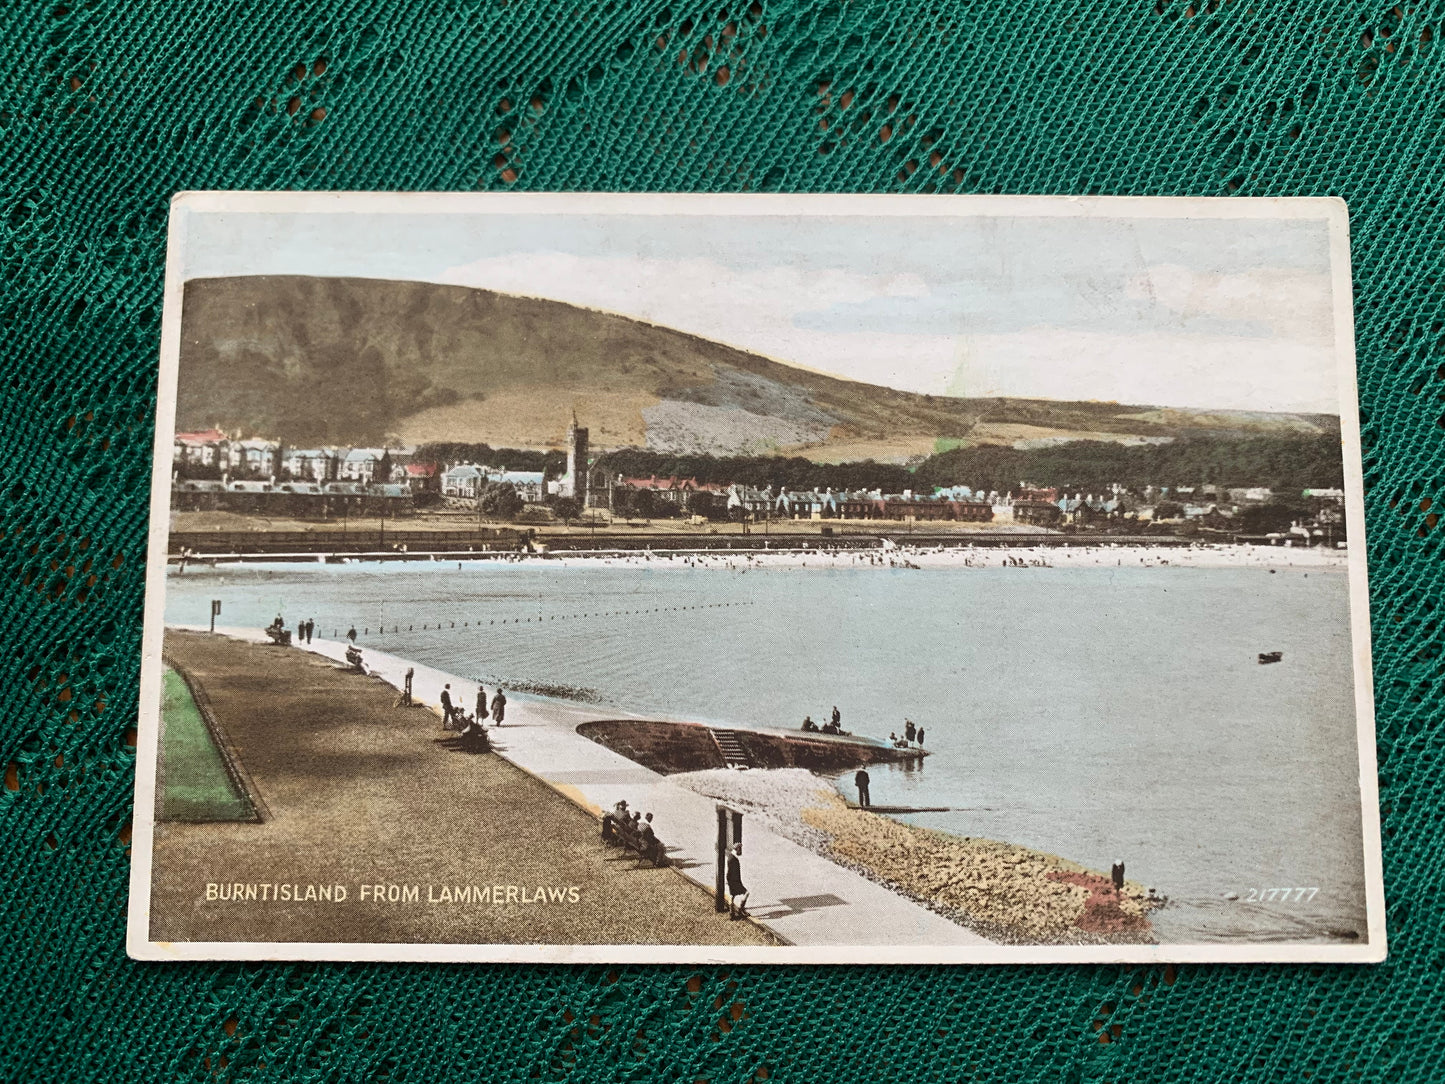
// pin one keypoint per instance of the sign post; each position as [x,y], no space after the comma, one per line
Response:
[720,902]
[215,610]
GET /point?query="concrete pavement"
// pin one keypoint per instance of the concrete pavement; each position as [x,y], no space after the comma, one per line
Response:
[802,897]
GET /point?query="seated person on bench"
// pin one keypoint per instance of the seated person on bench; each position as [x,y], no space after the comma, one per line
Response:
[612,822]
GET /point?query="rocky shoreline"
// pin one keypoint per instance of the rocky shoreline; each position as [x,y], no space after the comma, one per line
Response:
[1006,893]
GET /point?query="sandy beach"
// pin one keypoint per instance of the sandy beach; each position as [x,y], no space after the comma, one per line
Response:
[889,555]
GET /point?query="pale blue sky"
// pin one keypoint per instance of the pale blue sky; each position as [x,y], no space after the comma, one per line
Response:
[1188,312]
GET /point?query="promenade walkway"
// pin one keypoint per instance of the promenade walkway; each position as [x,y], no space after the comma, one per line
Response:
[802,897]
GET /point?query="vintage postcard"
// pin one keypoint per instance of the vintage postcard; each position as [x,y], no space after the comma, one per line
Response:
[657,578]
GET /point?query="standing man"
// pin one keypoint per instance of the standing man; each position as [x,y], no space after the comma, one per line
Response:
[837,718]
[406,692]
[738,904]
[481,704]
[920,737]
[447,706]
[499,707]
[861,779]
[351,634]
[310,628]
[910,731]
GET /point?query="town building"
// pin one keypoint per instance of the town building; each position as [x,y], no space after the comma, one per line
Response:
[203,448]
[464,480]
[424,477]
[744,500]
[254,458]
[310,464]
[531,485]
[806,504]
[575,483]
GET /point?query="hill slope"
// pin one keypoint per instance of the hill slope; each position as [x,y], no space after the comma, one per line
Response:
[335,360]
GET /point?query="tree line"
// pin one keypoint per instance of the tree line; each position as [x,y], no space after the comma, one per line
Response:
[553,462]
[759,471]
[1281,463]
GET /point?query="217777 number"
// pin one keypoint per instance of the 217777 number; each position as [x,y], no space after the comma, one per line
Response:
[1281,895]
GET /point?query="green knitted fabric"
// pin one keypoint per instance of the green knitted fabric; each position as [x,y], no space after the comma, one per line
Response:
[108,107]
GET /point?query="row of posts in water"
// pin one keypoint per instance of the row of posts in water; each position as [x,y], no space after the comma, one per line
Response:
[381,630]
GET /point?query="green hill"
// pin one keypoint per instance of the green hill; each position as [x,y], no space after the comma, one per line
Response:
[337,360]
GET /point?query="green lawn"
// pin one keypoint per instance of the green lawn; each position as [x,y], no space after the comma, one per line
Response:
[194,783]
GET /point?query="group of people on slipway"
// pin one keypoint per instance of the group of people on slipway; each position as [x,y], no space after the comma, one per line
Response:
[833,726]
[455,717]
[911,734]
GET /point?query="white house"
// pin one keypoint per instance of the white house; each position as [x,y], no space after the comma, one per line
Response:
[205,447]
[310,464]
[463,480]
[254,457]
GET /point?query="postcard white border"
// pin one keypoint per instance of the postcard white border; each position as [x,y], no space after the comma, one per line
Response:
[1332,210]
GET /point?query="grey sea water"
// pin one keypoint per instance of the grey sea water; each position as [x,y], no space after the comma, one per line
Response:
[1099,714]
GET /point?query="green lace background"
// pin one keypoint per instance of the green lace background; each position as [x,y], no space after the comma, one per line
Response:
[109,106]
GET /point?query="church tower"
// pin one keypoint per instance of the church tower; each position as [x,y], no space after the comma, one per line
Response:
[575,483]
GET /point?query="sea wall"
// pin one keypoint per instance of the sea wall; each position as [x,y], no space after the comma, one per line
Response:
[669,748]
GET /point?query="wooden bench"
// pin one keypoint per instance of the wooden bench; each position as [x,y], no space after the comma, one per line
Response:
[617,833]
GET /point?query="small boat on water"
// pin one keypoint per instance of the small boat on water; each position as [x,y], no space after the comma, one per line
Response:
[1267,657]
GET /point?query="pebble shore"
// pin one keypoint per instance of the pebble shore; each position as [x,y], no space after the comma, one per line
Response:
[1004,892]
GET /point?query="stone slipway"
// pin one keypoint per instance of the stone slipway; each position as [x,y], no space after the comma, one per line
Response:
[800,896]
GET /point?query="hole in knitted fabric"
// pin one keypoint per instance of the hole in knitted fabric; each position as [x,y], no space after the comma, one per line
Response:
[12,776]
[229,1027]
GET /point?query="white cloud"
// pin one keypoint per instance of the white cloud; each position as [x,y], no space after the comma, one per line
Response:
[753,310]
[1215,372]
[1294,305]
[756,309]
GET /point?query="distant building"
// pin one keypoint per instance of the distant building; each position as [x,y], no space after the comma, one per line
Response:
[531,485]
[204,448]
[1035,493]
[463,481]
[360,464]
[806,504]
[1037,513]
[574,483]
[1250,495]
[311,464]
[424,477]
[667,496]
[748,500]
[255,458]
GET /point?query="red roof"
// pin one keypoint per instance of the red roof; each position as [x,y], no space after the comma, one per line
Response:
[671,483]
[205,436]
[421,470]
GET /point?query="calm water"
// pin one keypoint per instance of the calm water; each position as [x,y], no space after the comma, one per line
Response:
[1099,714]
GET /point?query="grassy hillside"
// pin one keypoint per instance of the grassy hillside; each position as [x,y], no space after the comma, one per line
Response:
[336,360]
